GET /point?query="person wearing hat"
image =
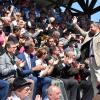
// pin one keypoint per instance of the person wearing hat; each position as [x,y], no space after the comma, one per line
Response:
[21,89]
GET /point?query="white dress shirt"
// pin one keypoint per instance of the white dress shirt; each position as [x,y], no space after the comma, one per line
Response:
[28,60]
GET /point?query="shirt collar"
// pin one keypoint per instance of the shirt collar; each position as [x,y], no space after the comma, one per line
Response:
[26,55]
[15,97]
[97,34]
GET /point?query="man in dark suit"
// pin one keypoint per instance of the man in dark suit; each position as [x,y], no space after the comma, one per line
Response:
[30,70]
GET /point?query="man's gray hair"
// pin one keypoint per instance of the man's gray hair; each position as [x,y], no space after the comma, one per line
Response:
[50,89]
[9,43]
[97,24]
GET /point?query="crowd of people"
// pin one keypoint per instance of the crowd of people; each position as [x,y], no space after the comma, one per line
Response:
[46,55]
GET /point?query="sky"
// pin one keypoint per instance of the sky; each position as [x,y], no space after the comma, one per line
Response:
[96,16]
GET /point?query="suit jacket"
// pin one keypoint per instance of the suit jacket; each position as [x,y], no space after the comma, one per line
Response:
[96,43]
[6,67]
[25,70]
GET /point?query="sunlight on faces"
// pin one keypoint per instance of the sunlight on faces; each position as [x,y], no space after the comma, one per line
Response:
[12,49]
[55,93]
[94,28]
[24,91]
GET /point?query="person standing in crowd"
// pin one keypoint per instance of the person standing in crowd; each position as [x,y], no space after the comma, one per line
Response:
[14,36]
[90,49]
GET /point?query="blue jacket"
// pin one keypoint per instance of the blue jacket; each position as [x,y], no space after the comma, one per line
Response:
[25,70]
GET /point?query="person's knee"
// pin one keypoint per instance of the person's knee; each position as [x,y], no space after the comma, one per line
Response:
[5,84]
[47,80]
[35,80]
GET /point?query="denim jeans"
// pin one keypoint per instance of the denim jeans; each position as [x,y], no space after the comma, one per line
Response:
[43,82]
[4,88]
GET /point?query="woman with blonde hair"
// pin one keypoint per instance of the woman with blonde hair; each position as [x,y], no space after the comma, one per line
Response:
[41,56]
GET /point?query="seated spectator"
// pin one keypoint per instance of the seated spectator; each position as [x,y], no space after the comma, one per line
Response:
[22,26]
[7,19]
[51,42]
[31,71]
[9,63]
[17,17]
[22,39]
[41,60]
[64,70]
[21,89]
[53,93]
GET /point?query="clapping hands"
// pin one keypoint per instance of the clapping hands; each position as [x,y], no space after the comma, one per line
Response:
[20,63]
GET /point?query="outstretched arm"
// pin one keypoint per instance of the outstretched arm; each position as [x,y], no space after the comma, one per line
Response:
[77,28]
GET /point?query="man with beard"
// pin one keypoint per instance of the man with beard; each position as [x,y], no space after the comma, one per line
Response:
[91,48]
